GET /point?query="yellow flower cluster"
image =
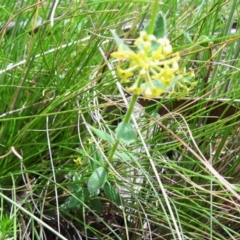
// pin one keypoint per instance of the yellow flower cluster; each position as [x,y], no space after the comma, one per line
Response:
[153,69]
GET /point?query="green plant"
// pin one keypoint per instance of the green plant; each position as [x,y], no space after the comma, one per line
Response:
[6,227]
[173,173]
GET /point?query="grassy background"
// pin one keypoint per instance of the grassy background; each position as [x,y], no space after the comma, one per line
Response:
[55,82]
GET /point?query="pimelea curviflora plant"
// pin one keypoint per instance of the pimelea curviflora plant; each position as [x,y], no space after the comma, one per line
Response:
[152,69]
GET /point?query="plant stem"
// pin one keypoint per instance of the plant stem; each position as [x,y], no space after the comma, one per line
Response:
[125,120]
[154,17]
[130,109]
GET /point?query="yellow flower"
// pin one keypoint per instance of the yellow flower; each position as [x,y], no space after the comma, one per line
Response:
[153,69]
[193,85]
[120,54]
[166,75]
[78,161]
[175,65]
[124,74]
[148,93]
[123,54]
[158,54]
[135,89]
[144,38]
[166,46]
[90,141]
[152,92]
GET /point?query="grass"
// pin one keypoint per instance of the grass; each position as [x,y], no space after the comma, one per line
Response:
[178,180]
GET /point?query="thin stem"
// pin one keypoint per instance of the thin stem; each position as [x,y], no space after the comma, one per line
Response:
[130,109]
[113,150]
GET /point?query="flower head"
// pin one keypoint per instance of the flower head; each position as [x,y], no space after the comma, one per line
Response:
[153,68]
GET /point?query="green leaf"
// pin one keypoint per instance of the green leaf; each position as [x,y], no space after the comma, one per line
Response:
[119,41]
[103,135]
[160,26]
[157,83]
[126,133]
[73,187]
[96,204]
[97,157]
[97,179]
[124,156]
[75,202]
[203,40]
[155,46]
[111,193]
[187,36]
